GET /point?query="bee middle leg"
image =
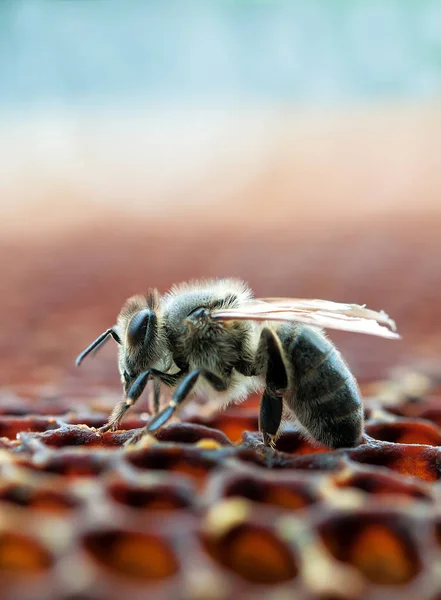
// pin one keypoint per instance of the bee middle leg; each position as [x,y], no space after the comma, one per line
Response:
[269,355]
[135,392]
[183,390]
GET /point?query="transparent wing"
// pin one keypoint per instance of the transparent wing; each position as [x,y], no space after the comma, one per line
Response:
[317,313]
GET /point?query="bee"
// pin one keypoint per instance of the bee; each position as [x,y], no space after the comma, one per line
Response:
[212,336]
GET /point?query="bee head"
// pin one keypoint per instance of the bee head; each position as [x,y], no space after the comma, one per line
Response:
[138,324]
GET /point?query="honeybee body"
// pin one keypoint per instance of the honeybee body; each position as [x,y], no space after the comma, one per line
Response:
[319,392]
[323,394]
[207,337]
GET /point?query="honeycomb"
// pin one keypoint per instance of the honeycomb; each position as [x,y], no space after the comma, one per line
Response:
[204,511]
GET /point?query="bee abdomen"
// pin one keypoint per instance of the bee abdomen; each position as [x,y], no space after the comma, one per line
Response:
[324,395]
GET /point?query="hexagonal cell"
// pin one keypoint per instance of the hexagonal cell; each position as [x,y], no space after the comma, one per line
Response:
[405,433]
[186,461]
[71,435]
[69,465]
[380,484]
[295,442]
[233,423]
[21,555]
[381,547]
[137,555]
[322,461]
[254,553]
[292,496]
[11,426]
[427,409]
[155,497]
[415,461]
[45,500]
[189,433]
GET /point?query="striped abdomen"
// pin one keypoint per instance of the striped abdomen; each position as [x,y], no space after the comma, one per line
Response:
[323,394]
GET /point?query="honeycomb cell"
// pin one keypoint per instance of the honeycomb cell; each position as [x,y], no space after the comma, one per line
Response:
[191,478]
[137,555]
[323,462]
[186,433]
[190,462]
[73,436]
[254,553]
[69,465]
[433,415]
[405,433]
[414,461]
[159,497]
[383,485]
[294,442]
[45,500]
[21,555]
[234,423]
[427,409]
[381,548]
[11,426]
[208,444]
[290,496]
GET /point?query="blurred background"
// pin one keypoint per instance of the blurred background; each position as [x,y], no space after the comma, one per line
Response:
[142,142]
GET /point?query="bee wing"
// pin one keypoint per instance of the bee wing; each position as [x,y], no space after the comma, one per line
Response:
[319,313]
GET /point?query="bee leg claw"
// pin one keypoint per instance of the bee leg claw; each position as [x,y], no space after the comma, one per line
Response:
[107,427]
[133,439]
[136,437]
[269,440]
[266,438]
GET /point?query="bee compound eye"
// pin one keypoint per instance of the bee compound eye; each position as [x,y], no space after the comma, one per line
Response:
[139,327]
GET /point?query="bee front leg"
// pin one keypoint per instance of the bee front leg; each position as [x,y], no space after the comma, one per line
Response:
[183,390]
[117,414]
[135,392]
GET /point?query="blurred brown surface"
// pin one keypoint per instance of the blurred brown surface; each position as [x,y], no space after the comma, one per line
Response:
[59,294]
[339,206]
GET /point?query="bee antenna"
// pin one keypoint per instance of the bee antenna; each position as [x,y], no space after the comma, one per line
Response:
[96,344]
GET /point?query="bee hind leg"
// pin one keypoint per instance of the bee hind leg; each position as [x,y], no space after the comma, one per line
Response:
[269,353]
[270,417]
